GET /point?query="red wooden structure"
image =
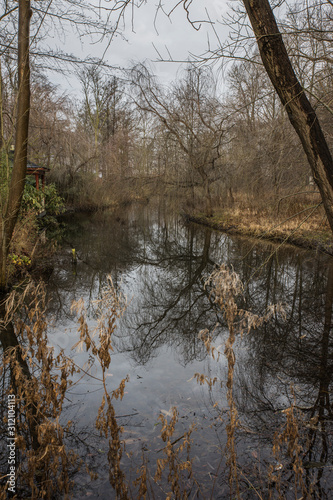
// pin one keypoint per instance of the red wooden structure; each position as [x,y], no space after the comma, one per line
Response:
[39,173]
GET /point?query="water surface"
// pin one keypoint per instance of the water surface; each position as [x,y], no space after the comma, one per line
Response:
[160,264]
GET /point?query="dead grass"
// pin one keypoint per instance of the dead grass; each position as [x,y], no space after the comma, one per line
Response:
[303,223]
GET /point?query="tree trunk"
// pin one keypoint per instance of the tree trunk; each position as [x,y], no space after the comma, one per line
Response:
[206,188]
[300,112]
[16,188]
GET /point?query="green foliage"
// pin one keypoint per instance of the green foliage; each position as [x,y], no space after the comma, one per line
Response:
[39,200]
[19,260]
[32,199]
[54,203]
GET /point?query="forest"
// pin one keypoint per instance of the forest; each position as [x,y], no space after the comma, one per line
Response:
[214,143]
[239,141]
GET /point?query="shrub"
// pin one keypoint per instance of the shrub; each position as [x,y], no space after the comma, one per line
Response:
[38,200]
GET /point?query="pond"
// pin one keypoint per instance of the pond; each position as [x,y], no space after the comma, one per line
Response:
[282,378]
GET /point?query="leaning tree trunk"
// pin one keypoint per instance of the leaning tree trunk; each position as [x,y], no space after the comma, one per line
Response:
[300,112]
[16,188]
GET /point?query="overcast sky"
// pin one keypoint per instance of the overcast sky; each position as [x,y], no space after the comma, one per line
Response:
[173,35]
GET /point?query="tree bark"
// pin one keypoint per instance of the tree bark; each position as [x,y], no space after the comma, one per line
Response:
[300,112]
[16,188]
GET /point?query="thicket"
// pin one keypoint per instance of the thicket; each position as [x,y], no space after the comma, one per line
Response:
[39,200]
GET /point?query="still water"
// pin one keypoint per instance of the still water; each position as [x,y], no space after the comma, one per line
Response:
[160,264]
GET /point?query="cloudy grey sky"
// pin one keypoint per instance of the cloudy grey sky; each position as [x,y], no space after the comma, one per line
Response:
[173,35]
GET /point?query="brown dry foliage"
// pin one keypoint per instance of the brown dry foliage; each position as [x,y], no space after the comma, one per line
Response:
[40,381]
[226,290]
[180,483]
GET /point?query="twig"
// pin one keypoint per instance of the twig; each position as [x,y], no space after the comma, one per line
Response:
[248,481]
[174,442]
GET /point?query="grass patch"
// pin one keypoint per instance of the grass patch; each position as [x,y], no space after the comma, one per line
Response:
[307,227]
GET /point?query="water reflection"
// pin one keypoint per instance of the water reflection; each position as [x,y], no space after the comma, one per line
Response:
[161,263]
[292,362]
[12,374]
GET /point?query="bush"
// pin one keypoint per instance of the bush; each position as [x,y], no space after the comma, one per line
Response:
[38,200]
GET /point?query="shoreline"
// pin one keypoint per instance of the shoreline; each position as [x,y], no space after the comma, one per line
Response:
[231,226]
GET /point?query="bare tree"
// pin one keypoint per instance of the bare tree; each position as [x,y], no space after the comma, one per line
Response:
[192,114]
[266,157]
[300,112]
[17,40]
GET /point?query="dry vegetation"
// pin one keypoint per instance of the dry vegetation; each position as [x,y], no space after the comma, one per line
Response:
[224,148]
[40,380]
[301,222]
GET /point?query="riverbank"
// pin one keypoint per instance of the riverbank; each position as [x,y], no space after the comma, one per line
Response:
[91,207]
[312,233]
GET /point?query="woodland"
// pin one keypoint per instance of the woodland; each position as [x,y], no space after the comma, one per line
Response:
[240,141]
[246,126]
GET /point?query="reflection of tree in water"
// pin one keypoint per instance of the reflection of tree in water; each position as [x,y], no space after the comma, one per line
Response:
[49,449]
[163,261]
[108,243]
[104,243]
[162,264]
[173,304]
[298,351]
